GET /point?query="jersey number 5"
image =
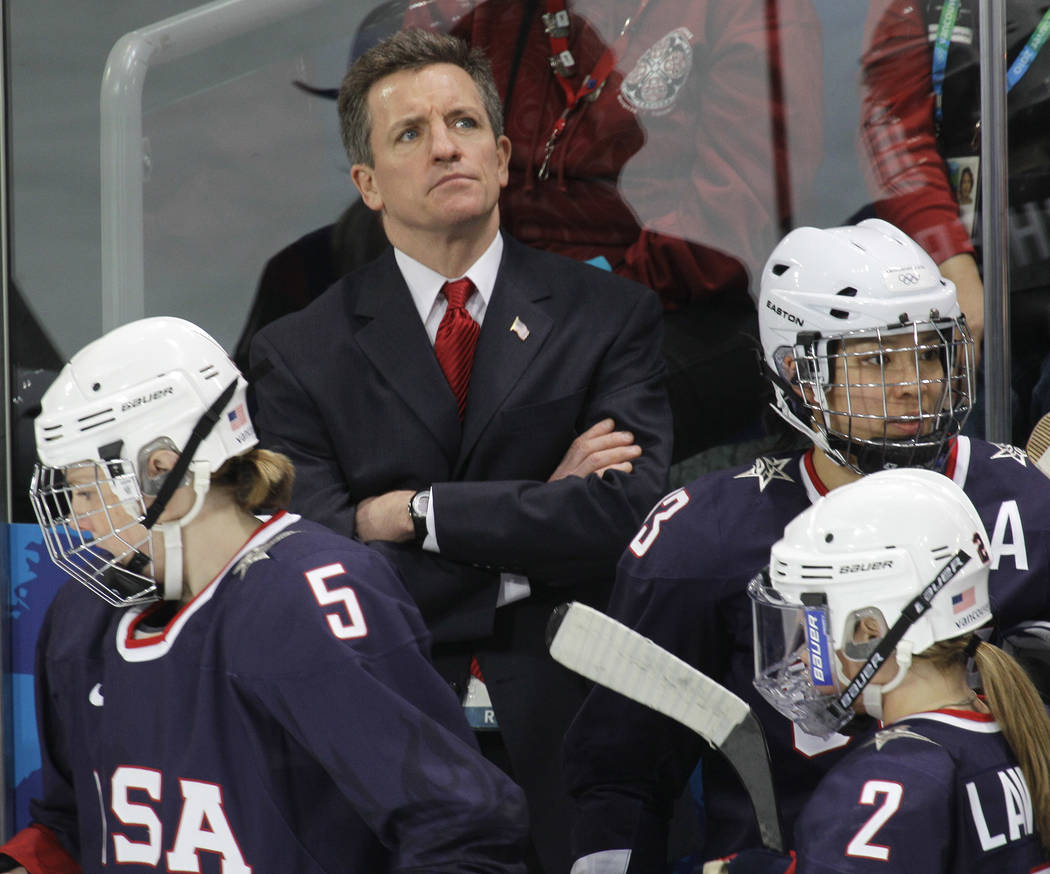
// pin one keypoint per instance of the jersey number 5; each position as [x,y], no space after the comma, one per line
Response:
[344,595]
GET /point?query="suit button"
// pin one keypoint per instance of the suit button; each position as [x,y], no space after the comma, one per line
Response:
[456,687]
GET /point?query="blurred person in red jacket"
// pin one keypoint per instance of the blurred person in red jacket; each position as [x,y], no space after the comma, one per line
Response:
[921,115]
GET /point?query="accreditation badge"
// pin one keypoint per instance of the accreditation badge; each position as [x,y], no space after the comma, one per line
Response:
[963,174]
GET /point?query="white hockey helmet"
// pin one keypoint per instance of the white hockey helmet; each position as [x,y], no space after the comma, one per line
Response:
[821,290]
[156,383]
[903,549]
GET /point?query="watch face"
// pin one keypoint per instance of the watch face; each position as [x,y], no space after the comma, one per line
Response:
[420,503]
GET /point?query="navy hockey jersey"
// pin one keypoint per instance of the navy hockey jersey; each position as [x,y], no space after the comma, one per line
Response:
[934,793]
[682,582]
[285,719]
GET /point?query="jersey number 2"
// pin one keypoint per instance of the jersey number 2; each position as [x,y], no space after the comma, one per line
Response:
[861,844]
[344,595]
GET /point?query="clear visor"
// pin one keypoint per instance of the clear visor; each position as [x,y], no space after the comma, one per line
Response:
[795,669]
[91,515]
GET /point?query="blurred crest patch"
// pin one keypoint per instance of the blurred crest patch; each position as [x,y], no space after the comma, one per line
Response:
[657,79]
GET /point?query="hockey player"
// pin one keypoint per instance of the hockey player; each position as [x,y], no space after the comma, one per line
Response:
[250,694]
[870,359]
[869,605]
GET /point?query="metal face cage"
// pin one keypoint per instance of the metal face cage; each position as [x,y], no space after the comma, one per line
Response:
[90,514]
[889,397]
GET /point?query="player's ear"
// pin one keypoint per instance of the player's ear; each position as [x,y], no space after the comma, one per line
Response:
[789,371]
[156,467]
[867,629]
[160,462]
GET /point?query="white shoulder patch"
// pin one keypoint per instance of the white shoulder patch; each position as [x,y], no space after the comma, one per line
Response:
[766,469]
[897,732]
[1005,450]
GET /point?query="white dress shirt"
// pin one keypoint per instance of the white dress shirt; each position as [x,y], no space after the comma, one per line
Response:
[425,286]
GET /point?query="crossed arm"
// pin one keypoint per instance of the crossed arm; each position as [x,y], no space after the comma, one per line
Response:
[598,449]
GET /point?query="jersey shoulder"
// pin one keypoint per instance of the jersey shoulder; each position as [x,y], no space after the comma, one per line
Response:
[307,595]
[719,524]
[905,752]
[1001,469]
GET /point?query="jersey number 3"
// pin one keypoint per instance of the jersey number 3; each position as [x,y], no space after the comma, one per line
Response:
[663,511]
[341,628]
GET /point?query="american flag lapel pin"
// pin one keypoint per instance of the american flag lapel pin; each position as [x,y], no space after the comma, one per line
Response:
[520,328]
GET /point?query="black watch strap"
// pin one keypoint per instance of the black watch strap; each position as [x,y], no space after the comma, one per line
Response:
[417,509]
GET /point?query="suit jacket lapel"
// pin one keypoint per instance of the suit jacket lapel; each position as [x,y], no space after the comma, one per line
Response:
[396,343]
[502,356]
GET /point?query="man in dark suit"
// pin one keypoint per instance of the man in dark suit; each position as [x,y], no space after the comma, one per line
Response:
[502,467]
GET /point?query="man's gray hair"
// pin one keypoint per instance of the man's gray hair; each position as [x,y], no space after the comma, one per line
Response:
[410,49]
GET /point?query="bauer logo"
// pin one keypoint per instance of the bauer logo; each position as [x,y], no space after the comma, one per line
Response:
[147,398]
[818,649]
[866,566]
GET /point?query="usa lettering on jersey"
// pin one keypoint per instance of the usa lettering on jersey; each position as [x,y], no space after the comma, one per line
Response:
[202,827]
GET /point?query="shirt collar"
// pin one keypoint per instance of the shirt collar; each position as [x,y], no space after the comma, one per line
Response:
[424,283]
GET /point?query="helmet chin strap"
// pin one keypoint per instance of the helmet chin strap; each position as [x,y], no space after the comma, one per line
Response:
[787,407]
[171,532]
[871,697]
[842,706]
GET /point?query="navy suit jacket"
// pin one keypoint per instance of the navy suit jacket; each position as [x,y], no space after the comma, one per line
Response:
[358,401]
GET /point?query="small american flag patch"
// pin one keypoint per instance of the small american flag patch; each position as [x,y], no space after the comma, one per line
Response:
[964,600]
[237,417]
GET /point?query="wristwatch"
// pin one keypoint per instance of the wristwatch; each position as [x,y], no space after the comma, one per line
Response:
[417,509]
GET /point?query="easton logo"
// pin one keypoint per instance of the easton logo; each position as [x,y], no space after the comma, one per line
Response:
[147,398]
[784,314]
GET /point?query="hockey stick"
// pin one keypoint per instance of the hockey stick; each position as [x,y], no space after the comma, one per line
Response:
[1038,443]
[612,655]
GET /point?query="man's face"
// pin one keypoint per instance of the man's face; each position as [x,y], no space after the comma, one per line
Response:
[437,166]
[886,385]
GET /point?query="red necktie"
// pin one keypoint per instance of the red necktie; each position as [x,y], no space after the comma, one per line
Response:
[457,335]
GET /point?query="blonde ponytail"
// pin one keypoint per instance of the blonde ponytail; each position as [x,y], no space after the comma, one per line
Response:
[260,480]
[1017,707]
